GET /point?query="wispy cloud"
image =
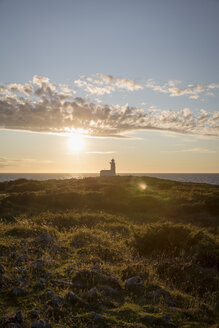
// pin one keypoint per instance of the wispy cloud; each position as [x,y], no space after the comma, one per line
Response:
[46,108]
[192,90]
[105,84]
[5,162]
[120,83]
[100,152]
[193,150]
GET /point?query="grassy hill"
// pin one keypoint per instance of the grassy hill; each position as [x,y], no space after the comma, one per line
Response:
[109,252]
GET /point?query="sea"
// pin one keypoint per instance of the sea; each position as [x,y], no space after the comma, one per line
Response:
[209,178]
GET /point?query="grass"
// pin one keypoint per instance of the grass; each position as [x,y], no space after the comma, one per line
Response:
[167,234]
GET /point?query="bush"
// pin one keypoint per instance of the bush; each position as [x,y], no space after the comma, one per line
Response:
[176,239]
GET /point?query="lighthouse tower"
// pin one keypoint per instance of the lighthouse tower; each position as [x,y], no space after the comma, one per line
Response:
[113,167]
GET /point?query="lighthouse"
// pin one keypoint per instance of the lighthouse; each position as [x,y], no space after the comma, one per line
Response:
[113,166]
[111,172]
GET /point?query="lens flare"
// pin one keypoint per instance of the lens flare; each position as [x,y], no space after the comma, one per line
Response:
[142,186]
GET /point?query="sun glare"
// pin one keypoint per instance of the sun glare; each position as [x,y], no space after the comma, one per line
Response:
[142,186]
[75,143]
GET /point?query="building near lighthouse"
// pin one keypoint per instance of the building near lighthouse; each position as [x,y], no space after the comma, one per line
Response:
[111,172]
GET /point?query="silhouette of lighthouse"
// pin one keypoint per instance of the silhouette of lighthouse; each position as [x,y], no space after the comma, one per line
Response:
[111,172]
[113,166]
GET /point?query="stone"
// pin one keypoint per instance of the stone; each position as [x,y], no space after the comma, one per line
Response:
[21,270]
[109,291]
[21,281]
[56,301]
[56,249]
[19,317]
[12,321]
[44,323]
[41,283]
[91,278]
[150,320]
[73,298]
[49,294]
[21,259]
[94,296]
[44,240]
[35,314]
[17,291]
[24,242]
[38,265]
[98,320]
[135,284]
[156,294]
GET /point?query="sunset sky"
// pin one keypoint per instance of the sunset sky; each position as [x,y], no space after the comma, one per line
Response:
[84,81]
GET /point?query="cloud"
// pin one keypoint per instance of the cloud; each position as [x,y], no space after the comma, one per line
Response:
[5,162]
[48,110]
[193,91]
[93,89]
[106,84]
[120,83]
[100,152]
[194,150]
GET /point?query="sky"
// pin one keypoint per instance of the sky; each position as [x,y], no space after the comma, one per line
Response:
[85,81]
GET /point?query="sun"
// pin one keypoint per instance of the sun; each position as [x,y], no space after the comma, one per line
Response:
[75,143]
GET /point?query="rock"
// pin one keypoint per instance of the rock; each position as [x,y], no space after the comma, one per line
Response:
[98,320]
[135,284]
[109,291]
[21,281]
[21,259]
[38,265]
[24,242]
[41,283]
[90,278]
[56,249]
[73,298]
[2,269]
[17,291]
[44,240]
[151,320]
[35,314]
[12,321]
[21,270]
[100,297]
[93,296]
[41,324]
[96,267]
[19,317]
[156,294]
[49,294]
[56,301]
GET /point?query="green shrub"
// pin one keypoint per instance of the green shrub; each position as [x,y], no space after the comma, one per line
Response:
[175,239]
